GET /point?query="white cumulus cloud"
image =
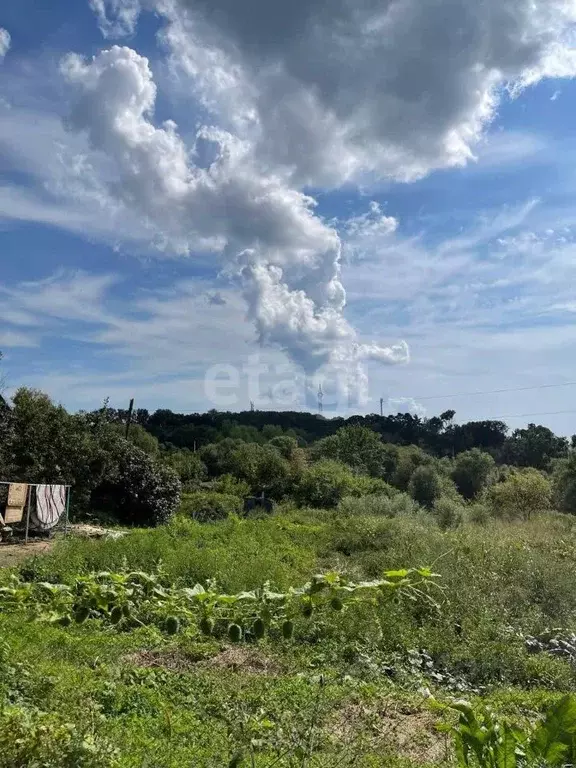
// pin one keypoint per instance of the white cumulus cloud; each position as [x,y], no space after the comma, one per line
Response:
[332,90]
[5,40]
[406,405]
[300,95]
[264,231]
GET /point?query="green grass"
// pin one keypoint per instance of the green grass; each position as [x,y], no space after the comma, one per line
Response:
[341,687]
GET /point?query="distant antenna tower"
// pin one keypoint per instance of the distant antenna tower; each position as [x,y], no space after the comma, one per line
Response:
[381,406]
[251,405]
[320,396]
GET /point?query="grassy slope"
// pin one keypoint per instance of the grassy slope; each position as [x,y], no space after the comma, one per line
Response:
[187,701]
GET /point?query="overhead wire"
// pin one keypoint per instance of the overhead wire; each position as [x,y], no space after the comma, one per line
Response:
[496,391]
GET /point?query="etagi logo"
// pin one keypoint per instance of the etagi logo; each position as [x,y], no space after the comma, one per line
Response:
[333,388]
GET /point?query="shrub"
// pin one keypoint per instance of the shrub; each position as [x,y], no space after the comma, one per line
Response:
[217,457]
[564,484]
[324,484]
[520,496]
[138,491]
[231,486]
[262,467]
[360,448]
[189,467]
[362,485]
[376,504]
[424,486]
[478,513]
[206,506]
[409,458]
[285,445]
[33,738]
[472,472]
[448,513]
[139,437]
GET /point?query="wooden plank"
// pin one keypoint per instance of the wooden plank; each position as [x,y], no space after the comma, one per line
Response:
[17,493]
[13,515]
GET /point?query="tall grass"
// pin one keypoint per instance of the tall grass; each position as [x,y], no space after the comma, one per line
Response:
[239,554]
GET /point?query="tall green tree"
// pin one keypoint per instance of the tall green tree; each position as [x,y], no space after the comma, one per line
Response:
[535,446]
[425,486]
[262,467]
[472,471]
[360,448]
[524,493]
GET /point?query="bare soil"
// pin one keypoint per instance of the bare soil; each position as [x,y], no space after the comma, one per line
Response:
[14,554]
[236,659]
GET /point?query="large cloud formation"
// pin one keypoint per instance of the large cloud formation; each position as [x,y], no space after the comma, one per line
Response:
[330,89]
[311,93]
[288,258]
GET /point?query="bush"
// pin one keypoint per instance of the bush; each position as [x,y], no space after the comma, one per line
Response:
[324,484]
[564,484]
[425,486]
[217,457]
[362,485]
[360,448]
[139,437]
[33,738]
[478,513]
[448,513]
[138,491]
[189,467]
[520,496]
[472,472]
[231,486]
[409,458]
[285,445]
[262,467]
[383,505]
[207,506]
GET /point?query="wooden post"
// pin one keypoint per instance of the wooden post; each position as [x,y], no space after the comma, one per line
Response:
[129,417]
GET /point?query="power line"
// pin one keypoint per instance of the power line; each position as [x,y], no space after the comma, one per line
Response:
[526,415]
[496,392]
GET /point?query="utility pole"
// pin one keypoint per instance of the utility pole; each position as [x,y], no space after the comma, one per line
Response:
[381,406]
[129,417]
[320,396]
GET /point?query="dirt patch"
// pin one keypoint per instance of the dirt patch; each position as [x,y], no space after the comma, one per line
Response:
[14,554]
[175,661]
[232,659]
[393,729]
[239,659]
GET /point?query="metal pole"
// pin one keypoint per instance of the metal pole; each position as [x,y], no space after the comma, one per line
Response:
[28,513]
[68,492]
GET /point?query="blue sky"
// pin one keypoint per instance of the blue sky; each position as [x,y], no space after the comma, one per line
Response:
[203,262]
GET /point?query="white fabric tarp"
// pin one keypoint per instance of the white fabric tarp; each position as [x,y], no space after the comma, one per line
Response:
[50,506]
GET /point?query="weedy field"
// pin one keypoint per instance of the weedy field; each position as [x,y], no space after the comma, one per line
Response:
[307,638]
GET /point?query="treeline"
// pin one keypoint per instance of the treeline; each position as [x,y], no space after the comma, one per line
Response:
[533,446]
[393,465]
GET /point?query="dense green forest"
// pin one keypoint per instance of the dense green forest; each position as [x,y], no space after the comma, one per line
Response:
[218,459]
